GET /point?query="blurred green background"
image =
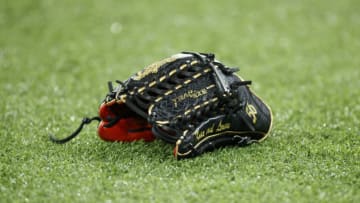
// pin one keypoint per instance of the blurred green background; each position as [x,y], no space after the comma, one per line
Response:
[57,56]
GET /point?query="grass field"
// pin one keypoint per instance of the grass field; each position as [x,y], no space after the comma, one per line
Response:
[57,56]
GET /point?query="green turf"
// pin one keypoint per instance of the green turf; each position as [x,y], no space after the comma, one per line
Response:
[56,57]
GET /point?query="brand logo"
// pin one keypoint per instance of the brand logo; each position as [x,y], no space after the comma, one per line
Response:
[251,112]
[190,94]
[153,68]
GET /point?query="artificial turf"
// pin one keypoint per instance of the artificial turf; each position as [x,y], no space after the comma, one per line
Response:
[57,56]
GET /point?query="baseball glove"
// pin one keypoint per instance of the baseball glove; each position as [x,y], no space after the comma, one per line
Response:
[189,99]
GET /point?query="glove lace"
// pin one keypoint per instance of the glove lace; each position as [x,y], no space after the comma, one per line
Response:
[84,122]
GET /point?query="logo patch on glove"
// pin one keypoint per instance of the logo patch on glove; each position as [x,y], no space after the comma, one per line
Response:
[190,94]
[153,68]
[251,112]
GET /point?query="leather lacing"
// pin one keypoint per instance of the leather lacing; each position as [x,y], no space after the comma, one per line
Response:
[152,93]
[84,122]
[87,120]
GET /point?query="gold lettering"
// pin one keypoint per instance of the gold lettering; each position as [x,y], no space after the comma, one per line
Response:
[190,94]
[222,127]
[251,112]
[212,130]
[200,134]
[153,68]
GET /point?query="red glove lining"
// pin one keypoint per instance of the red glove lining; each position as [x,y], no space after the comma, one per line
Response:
[127,129]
